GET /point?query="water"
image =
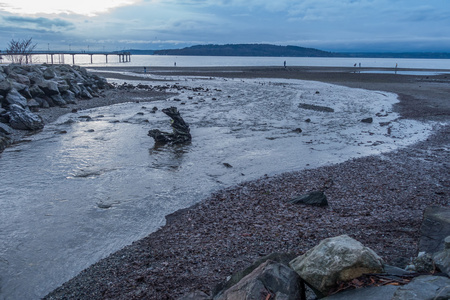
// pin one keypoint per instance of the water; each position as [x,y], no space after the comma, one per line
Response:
[218,61]
[70,199]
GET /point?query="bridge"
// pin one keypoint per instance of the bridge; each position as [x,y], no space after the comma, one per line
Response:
[124,56]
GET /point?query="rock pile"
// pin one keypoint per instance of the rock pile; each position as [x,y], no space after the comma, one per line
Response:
[25,89]
[340,268]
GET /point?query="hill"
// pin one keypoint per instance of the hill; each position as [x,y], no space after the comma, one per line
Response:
[247,50]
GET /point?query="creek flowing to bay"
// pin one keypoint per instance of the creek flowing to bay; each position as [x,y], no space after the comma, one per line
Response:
[93,181]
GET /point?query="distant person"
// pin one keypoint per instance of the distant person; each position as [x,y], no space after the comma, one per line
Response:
[360,65]
[175,64]
[285,64]
[145,70]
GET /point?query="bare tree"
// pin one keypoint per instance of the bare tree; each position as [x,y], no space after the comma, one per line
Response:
[20,51]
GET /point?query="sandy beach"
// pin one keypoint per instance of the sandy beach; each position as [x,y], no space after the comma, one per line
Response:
[378,200]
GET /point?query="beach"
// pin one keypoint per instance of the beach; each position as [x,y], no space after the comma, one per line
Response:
[378,200]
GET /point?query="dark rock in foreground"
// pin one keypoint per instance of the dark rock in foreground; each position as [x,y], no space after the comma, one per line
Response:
[316,198]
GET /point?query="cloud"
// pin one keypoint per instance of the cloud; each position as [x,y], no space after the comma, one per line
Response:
[43,23]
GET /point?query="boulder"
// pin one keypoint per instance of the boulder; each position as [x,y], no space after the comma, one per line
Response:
[14,97]
[58,100]
[370,293]
[5,129]
[435,228]
[333,260]
[4,141]
[69,97]
[442,258]
[35,91]
[283,258]
[424,288]
[270,278]
[5,87]
[367,120]
[49,87]
[20,118]
[316,198]
[49,73]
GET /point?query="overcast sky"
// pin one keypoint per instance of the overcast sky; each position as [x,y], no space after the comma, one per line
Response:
[331,25]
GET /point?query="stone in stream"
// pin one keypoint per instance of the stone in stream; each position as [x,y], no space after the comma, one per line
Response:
[181,132]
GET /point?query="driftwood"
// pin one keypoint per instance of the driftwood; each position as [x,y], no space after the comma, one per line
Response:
[181,132]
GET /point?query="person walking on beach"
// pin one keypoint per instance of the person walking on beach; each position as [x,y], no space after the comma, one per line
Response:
[145,70]
[285,64]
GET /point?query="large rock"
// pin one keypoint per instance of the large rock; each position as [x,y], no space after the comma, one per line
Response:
[335,259]
[14,97]
[49,87]
[23,119]
[371,293]
[4,141]
[283,258]
[269,278]
[442,258]
[435,228]
[316,198]
[425,288]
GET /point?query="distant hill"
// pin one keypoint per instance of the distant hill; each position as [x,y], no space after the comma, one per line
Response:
[247,50]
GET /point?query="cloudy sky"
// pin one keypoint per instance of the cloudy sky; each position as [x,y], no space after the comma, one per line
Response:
[332,25]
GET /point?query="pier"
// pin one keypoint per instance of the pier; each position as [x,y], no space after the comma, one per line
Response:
[123,56]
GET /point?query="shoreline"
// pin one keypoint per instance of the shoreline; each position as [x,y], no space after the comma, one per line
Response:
[201,245]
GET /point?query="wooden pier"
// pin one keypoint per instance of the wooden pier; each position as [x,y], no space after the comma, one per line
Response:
[123,56]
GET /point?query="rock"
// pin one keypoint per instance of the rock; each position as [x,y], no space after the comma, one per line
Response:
[181,132]
[5,87]
[4,141]
[58,100]
[269,278]
[315,198]
[35,91]
[423,263]
[335,259]
[442,258]
[49,87]
[282,258]
[69,97]
[5,129]
[315,107]
[435,228]
[297,130]
[49,73]
[367,120]
[371,293]
[424,288]
[23,119]
[14,97]
[33,105]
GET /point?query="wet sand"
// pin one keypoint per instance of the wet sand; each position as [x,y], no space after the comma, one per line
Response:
[378,200]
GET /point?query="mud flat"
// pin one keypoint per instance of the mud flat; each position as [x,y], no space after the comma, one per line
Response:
[379,200]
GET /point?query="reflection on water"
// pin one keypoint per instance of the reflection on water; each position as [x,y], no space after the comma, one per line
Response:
[71,199]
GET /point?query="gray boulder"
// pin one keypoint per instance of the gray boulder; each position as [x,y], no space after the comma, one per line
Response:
[435,228]
[5,129]
[335,259]
[371,293]
[49,73]
[442,258]
[424,288]
[269,278]
[5,87]
[35,91]
[23,119]
[14,97]
[4,141]
[49,87]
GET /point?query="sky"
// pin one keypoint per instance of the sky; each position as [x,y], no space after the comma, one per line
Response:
[330,25]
